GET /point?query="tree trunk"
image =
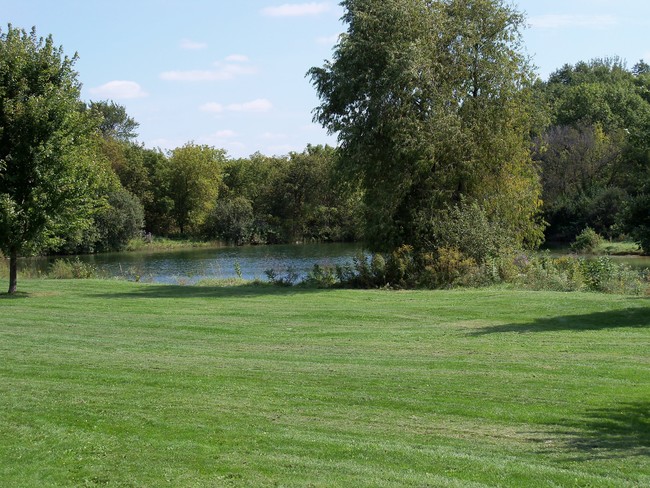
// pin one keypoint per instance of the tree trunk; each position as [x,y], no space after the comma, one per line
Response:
[13,272]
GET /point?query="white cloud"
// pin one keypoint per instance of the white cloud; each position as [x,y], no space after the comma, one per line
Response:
[272,136]
[192,45]
[237,58]
[258,105]
[297,9]
[556,21]
[119,90]
[225,134]
[216,108]
[221,72]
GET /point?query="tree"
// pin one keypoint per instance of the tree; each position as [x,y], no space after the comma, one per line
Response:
[596,151]
[48,180]
[115,123]
[194,174]
[231,220]
[431,103]
[119,222]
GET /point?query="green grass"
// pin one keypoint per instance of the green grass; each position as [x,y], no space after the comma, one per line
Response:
[167,244]
[605,248]
[108,383]
[624,248]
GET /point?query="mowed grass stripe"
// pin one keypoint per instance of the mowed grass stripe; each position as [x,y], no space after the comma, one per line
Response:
[121,384]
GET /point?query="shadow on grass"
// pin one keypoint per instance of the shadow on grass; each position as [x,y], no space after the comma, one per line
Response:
[613,319]
[605,433]
[193,291]
[15,296]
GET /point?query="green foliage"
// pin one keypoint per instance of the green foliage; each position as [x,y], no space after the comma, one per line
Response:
[587,241]
[293,198]
[321,277]
[193,173]
[450,268]
[68,269]
[596,154]
[231,220]
[469,229]
[636,218]
[288,278]
[49,180]
[431,105]
[120,222]
[114,121]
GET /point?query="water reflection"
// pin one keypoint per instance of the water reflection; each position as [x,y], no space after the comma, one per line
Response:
[191,265]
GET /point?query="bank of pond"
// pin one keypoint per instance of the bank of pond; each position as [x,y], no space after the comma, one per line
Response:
[327,264]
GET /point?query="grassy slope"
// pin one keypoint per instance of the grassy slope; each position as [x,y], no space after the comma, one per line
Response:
[120,384]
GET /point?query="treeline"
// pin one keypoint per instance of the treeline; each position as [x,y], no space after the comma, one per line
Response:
[197,191]
[591,145]
[594,152]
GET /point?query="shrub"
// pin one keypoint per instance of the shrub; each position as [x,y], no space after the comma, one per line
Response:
[120,222]
[67,269]
[450,268]
[637,220]
[289,278]
[468,228]
[231,220]
[587,241]
[322,277]
[547,273]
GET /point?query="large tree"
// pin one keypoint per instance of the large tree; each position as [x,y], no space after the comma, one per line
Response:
[431,105]
[47,181]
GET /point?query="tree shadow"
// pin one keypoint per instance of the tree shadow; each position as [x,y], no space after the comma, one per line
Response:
[15,296]
[605,433]
[193,291]
[637,317]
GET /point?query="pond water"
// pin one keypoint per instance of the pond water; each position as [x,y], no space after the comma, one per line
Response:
[191,265]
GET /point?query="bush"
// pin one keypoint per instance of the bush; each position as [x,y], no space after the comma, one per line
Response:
[468,229]
[231,220]
[68,269]
[587,241]
[547,273]
[450,268]
[322,277]
[637,220]
[289,278]
[120,222]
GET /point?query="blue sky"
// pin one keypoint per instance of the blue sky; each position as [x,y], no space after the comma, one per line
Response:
[231,73]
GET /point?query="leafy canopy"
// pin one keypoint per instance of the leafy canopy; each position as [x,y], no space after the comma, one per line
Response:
[431,105]
[48,180]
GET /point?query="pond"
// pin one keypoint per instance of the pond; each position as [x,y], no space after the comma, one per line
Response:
[192,265]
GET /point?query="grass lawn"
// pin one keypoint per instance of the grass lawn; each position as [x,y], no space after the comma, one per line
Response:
[108,383]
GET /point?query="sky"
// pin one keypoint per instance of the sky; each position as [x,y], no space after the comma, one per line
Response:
[231,73]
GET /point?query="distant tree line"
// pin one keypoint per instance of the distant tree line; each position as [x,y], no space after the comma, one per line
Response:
[594,153]
[197,191]
[589,143]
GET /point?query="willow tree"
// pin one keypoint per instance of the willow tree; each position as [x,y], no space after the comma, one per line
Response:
[432,107]
[48,184]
